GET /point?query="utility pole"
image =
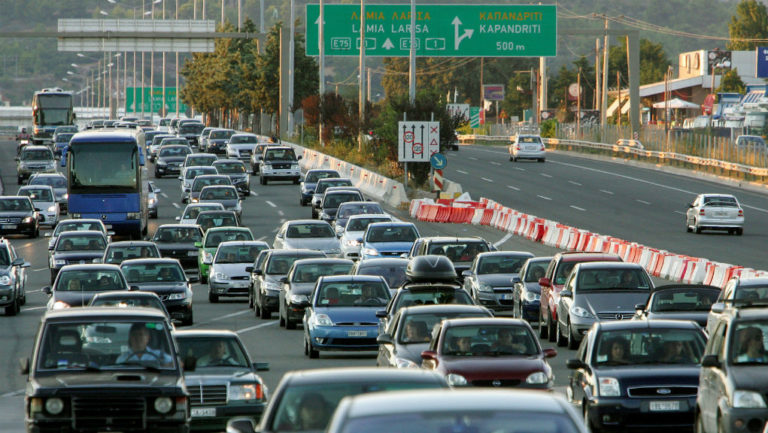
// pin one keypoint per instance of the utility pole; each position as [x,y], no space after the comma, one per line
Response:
[163,104]
[578,104]
[482,96]
[543,84]
[604,92]
[597,74]
[176,65]
[361,80]
[291,67]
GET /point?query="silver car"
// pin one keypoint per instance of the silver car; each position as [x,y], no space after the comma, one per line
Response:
[241,146]
[258,155]
[308,234]
[43,198]
[188,175]
[227,276]
[527,147]
[189,216]
[352,234]
[34,159]
[224,194]
[75,225]
[715,212]
[152,192]
[58,182]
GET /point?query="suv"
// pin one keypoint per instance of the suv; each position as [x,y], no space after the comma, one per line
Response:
[732,382]
[34,159]
[118,387]
[13,279]
[553,281]
[279,163]
[737,289]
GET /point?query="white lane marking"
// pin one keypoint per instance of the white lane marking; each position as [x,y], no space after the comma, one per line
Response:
[254,194]
[577,208]
[271,204]
[544,197]
[513,187]
[462,171]
[681,213]
[606,191]
[473,158]
[495,163]
[281,213]
[36,308]
[519,169]
[176,205]
[261,238]
[545,174]
[164,194]
[502,240]
[34,291]
[39,269]
[574,183]
[226,316]
[486,179]
[251,328]
[13,393]
[28,244]
[642,201]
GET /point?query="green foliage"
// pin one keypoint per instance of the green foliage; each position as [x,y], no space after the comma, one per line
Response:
[549,128]
[653,61]
[750,22]
[731,82]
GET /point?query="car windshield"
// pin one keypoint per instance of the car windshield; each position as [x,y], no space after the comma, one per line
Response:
[238,253]
[63,138]
[191,128]
[242,139]
[749,343]
[464,421]
[334,200]
[280,154]
[322,399]
[75,225]
[280,265]
[393,274]
[177,235]
[217,352]
[106,345]
[194,211]
[218,193]
[90,280]
[485,340]
[216,219]
[360,224]
[208,181]
[311,230]
[649,346]
[53,181]
[15,204]
[75,242]
[192,173]
[128,302]
[608,279]
[347,210]
[157,139]
[391,234]
[535,270]
[720,201]
[37,194]
[314,176]
[353,294]
[212,240]
[431,296]
[322,185]
[230,167]
[458,251]
[116,254]
[221,134]
[501,264]
[36,155]
[525,139]
[692,299]
[153,272]
[417,328]
[310,272]
[174,151]
[204,160]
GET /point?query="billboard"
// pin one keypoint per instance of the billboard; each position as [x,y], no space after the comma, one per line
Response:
[761,62]
[718,59]
[493,92]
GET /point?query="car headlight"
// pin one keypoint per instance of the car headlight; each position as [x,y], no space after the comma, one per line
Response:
[749,399]
[5,280]
[195,200]
[299,299]
[532,297]
[152,201]
[54,405]
[220,276]
[28,220]
[609,387]
[351,242]
[581,312]
[456,379]
[294,166]
[60,305]
[322,320]
[59,262]
[370,252]
[161,162]
[207,257]
[65,196]
[133,215]
[251,391]
[177,296]
[163,405]
[538,378]
[271,285]
[52,208]
[485,288]
[405,363]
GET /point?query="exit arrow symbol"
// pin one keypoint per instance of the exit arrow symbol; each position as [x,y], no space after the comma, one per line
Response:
[456,38]
[388,45]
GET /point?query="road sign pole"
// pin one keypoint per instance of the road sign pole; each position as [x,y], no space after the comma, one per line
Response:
[361,89]
[321,48]
[412,67]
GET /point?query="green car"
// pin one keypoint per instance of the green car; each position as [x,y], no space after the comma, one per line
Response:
[211,240]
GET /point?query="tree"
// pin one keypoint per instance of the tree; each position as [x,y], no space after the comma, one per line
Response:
[731,82]
[652,58]
[750,22]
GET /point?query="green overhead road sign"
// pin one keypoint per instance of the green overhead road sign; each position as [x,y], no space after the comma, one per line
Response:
[441,30]
[156,100]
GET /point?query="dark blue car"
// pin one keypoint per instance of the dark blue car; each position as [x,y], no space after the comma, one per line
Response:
[391,239]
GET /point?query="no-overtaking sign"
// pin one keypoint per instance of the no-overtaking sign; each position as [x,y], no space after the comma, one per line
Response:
[417,141]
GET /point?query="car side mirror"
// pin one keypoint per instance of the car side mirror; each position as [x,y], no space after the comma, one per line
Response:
[198,244]
[284,280]
[718,307]
[566,294]
[575,364]
[466,273]
[710,361]
[640,308]
[381,314]
[258,272]
[384,339]
[249,269]
[134,288]
[544,281]
[280,235]
[240,425]
[190,363]
[18,262]
[24,366]
[261,366]
[429,355]
[47,290]
[549,352]
[47,234]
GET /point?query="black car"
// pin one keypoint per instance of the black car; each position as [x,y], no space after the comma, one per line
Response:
[19,216]
[13,279]
[348,209]
[217,141]
[170,158]
[204,180]
[222,364]
[309,182]
[237,173]
[76,247]
[75,285]
[332,199]
[638,374]
[391,268]
[191,131]
[116,252]
[166,278]
[177,241]
[679,302]
[88,373]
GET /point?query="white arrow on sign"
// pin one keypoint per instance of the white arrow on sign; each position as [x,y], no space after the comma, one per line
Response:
[456,38]
[388,45]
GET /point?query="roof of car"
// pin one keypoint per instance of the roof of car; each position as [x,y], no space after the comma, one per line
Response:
[384,261]
[444,308]
[316,222]
[752,281]
[223,228]
[204,333]
[613,325]
[249,243]
[98,135]
[146,260]
[450,238]
[131,244]
[484,321]
[28,147]
[176,226]
[359,374]
[113,313]
[683,287]
[575,256]
[26,187]
[506,253]
[751,313]
[368,215]
[599,264]
[349,278]
[91,266]
[298,252]
[81,232]
[325,260]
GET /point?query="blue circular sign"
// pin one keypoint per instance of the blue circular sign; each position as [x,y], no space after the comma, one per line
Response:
[438,161]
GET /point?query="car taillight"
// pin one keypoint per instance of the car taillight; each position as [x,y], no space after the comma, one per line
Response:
[741,212]
[541,148]
[701,212]
[259,392]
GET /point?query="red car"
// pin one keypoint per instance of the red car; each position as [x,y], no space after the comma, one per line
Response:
[553,281]
[489,352]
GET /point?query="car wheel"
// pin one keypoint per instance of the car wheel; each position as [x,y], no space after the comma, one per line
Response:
[188,320]
[542,159]
[572,343]
[306,346]
[696,227]
[23,299]
[157,175]
[590,425]
[53,277]
[289,324]
[36,233]
[281,320]
[552,329]
[687,227]
[739,231]
[296,181]
[213,298]
[264,312]
[19,180]
[13,309]
[542,326]
[203,278]
[511,159]
[721,427]
[699,426]
[250,300]
[313,354]
[561,340]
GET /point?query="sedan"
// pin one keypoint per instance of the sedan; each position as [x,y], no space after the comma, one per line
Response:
[342,314]
[241,146]
[228,275]
[527,147]
[18,216]
[309,182]
[392,239]
[333,199]
[125,299]
[188,175]
[348,209]
[191,212]
[352,232]
[237,175]
[210,243]
[203,180]
[177,241]
[170,158]
[391,268]
[43,198]
[307,234]
[225,194]
[75,285]
[152,199]
[166,278]
[679,302]
[491,277]
[715,212]
[638,374]
[527,291]
[321,186]
[217,218]
[116,252]
[58,182]
[297,286]
[79,247]
[76,225]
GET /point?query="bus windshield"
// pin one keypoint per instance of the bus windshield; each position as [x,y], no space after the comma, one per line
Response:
[103,166]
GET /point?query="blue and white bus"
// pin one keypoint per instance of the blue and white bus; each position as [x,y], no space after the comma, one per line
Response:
[51,108]
[105,180]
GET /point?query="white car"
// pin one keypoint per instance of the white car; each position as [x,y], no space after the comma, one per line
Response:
[634,144]
[715,212]
[352,233]
[188,175]
[189,216]
[241,146]
[43,198]
[307,234]
[525,146]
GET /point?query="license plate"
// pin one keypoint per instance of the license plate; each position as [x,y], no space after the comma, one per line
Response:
[199,412]
[357,333]
[661,406]
[9,226]
[508,296]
